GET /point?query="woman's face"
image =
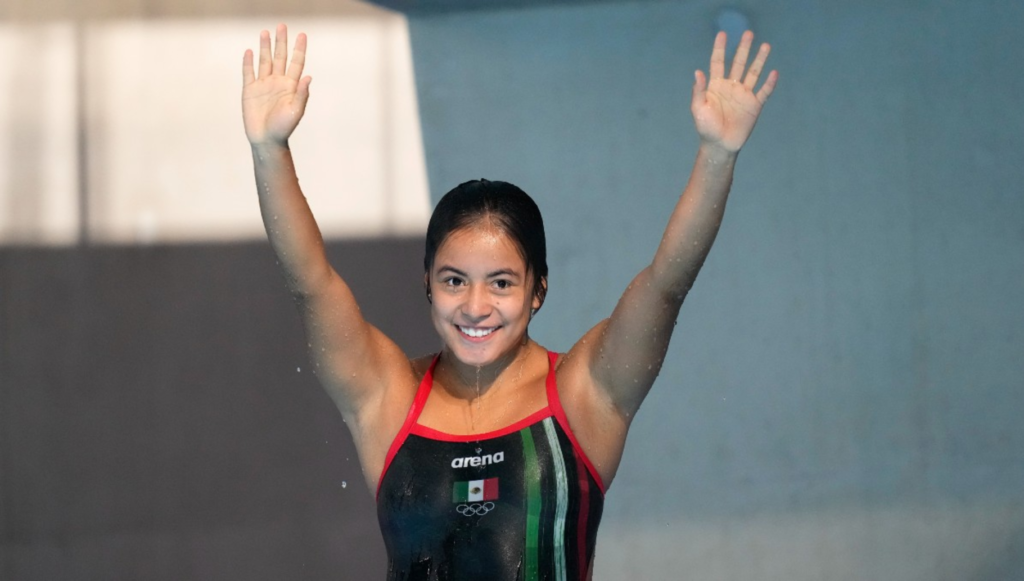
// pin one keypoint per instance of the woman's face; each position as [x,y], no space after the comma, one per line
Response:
[481,294]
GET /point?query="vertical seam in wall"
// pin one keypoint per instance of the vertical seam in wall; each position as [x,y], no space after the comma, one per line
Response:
[387,118]
[81,135]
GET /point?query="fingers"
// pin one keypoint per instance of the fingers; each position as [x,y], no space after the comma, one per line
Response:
[700,84]
[265,63]
[280,49]
[276,62]
[768,87]
[302,92]
[739,61]
[717,70]
[739,65]
[755,67]
[298,58]
[247,75]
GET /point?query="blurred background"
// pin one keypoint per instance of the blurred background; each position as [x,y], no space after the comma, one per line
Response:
[843,395]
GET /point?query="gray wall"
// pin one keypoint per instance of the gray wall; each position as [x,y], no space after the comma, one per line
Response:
[158,420]
[844,391]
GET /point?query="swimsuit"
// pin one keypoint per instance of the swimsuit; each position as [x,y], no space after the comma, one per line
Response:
[521,503]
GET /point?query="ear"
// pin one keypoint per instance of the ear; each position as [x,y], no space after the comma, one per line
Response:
[426,287]
[539,294]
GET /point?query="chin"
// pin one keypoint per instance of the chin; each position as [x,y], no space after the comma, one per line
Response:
[479,355]
[475,356]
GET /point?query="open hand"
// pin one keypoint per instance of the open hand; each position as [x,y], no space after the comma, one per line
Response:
[725,109]
[273,102]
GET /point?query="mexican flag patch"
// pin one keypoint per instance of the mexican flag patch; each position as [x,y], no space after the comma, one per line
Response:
[475,490]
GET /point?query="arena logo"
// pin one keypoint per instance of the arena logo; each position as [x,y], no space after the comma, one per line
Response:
[475,461]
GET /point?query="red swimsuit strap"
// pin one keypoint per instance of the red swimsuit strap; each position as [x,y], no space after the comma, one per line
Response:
[422,392]
[555,403]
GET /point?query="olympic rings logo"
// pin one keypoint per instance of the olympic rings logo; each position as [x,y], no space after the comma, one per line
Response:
[475,509]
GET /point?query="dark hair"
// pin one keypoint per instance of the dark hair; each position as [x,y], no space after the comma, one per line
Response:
[509,207]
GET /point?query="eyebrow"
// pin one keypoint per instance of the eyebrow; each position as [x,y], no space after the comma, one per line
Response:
[499,272]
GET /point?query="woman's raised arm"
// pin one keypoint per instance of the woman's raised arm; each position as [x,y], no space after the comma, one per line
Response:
[624,353]
[349,355]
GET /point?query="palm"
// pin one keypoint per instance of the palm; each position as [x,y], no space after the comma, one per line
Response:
[725,109]
[273,103]
[269,108]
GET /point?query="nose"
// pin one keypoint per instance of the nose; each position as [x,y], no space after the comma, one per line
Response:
[478,303]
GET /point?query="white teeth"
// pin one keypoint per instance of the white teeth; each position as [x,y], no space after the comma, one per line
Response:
[476,332]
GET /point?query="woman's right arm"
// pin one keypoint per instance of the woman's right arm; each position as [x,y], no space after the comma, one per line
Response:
[351,357]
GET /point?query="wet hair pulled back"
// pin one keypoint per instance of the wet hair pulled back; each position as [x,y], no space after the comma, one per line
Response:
[506,206]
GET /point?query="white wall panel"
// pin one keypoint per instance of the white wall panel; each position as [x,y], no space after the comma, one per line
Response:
[163,147]
[38,158]
[171,162]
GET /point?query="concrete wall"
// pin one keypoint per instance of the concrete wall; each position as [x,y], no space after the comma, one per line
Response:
[843,393]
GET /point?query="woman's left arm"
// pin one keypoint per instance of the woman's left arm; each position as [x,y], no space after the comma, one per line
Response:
[624,353]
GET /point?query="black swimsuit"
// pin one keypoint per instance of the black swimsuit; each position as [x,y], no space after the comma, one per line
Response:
[519,503]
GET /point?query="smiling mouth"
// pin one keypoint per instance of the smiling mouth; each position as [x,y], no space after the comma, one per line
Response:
[476,333]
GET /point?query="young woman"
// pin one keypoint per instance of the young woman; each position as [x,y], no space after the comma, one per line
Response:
[490,459]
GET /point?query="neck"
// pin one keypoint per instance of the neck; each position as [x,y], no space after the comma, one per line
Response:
[469,381]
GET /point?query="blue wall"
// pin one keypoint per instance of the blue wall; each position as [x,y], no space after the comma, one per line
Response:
[843,394]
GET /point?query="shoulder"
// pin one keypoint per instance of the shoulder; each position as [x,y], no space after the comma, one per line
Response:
[401,391]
